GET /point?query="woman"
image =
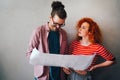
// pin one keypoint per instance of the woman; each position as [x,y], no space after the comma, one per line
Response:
[88,42]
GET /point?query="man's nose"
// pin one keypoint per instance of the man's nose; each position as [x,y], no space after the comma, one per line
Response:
[58,26]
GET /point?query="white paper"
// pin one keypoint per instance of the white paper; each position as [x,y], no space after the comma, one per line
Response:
[76,62]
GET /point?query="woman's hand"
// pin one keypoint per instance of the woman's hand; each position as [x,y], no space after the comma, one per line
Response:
[93,68]
[103,64]
[67,70]
[81,72]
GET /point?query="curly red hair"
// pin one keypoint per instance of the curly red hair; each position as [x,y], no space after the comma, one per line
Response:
[96,36]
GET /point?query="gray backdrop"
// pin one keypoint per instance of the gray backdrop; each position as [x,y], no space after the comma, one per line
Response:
[18,18]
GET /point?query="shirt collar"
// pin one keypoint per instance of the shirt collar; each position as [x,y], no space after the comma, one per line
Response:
[47,26]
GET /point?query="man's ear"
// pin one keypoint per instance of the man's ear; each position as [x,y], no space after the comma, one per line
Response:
[50,17]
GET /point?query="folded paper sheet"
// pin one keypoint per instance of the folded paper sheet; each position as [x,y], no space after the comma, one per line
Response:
[76,62]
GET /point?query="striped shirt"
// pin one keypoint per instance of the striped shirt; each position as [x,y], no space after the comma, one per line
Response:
[77,49]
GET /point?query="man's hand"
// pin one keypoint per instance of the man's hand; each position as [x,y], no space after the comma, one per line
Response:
[81,72]
[67,70]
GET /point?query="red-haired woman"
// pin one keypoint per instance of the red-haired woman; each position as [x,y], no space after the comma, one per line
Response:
[88,42]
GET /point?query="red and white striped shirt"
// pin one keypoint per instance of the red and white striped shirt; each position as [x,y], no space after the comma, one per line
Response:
[77,49]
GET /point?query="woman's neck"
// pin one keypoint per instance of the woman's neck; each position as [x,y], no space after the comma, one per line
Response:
[85,42]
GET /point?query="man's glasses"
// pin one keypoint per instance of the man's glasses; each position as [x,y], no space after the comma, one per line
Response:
[57,24]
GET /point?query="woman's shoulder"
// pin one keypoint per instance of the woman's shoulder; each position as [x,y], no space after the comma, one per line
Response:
[97,45]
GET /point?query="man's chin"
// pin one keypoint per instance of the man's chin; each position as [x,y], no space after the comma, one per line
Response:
[57,29]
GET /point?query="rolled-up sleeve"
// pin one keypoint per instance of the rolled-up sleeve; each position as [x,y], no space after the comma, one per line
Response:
[34,41]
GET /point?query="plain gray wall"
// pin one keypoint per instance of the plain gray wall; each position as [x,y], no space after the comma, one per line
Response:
[18,18]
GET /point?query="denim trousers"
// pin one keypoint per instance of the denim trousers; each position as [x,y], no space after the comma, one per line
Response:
[76,76]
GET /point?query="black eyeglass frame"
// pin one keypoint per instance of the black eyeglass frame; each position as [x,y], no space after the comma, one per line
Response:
[55,24]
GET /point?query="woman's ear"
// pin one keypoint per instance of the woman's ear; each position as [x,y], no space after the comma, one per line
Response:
[89,33]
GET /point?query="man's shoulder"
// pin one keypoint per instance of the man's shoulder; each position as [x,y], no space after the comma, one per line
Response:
[39,28]
[63,31]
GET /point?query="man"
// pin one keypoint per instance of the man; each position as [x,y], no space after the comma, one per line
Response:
[50,38]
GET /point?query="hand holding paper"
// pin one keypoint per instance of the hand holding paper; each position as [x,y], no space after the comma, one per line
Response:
[76,62]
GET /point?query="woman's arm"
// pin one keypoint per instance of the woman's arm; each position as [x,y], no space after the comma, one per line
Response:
[103,64]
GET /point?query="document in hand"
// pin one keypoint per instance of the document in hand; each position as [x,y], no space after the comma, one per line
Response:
[76,62]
